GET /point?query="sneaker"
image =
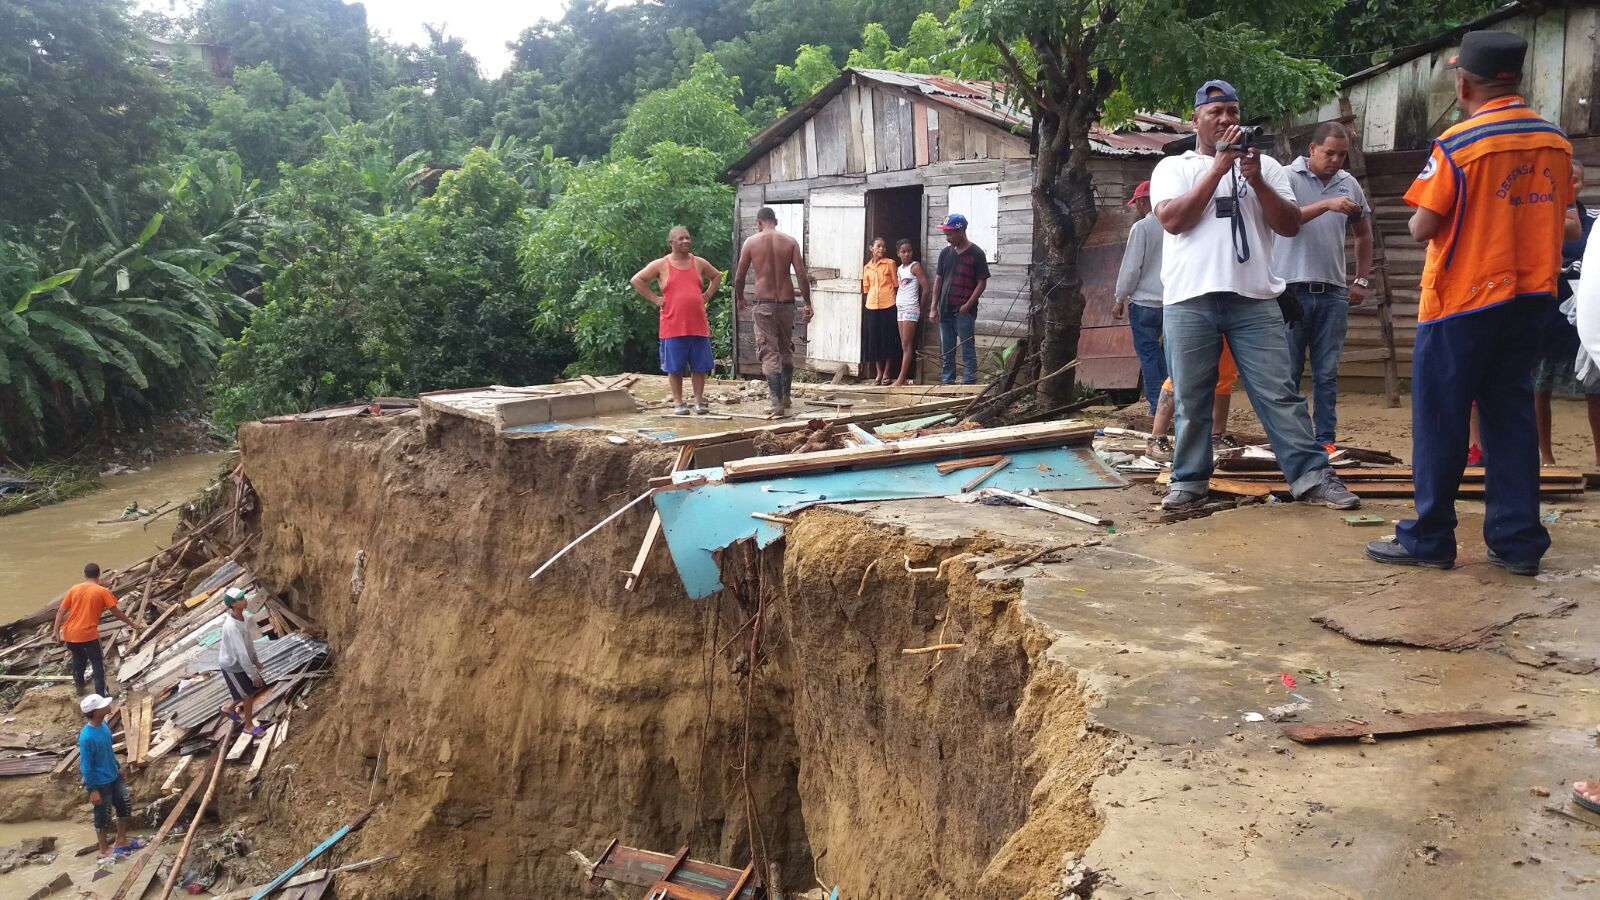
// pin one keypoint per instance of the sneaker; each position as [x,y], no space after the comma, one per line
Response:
[1225,441]
[1331,493]
[1515,568]
[680,410]
[701,408]
[1392,553]
[1178,498]
[1159,448]
[1331,448]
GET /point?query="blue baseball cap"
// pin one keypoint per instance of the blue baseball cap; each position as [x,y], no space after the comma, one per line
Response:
[954,222]
[1203,96]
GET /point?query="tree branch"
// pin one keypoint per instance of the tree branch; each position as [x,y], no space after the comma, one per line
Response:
[1022,81]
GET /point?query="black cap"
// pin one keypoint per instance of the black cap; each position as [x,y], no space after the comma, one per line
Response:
[1491,54]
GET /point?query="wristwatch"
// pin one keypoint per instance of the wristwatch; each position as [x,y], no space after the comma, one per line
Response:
[1361,282]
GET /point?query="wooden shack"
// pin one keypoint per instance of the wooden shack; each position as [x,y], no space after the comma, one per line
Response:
[1396,108]
[889,154]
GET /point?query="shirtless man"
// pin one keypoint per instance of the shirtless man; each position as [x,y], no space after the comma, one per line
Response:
[773,253]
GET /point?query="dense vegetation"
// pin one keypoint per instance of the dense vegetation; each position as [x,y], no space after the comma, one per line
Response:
[317,214]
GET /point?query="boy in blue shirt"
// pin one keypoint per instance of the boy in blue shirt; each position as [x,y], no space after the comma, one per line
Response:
[102,778]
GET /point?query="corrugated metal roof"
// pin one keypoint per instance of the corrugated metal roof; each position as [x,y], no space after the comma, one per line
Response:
[279,660]
[987,101]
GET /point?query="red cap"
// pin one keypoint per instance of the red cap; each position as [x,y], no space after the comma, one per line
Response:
[1143,190]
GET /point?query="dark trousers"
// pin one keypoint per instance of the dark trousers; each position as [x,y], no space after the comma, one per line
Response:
[1483,357]
[1145,322]
[87,654]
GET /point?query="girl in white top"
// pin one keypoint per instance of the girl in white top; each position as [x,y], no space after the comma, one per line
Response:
[908,303]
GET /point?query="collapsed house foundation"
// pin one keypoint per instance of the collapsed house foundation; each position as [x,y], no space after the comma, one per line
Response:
[896,697]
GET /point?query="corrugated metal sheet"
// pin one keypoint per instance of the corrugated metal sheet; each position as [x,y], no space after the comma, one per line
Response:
[279,660]
[29,765]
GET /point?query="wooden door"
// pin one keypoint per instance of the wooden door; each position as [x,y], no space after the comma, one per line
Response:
[837,223]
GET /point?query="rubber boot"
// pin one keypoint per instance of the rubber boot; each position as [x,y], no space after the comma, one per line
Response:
[775,389]
[788,382]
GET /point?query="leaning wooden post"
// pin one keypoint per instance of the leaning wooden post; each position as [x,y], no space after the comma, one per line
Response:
[194,826]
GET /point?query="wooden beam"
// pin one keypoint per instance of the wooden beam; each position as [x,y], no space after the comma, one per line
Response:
[194,826]
[653,532]
[1408,723]
[1017,437]
[983,476]
[145,855]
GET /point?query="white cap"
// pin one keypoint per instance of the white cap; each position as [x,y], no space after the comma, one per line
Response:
[233,594]
[93,702]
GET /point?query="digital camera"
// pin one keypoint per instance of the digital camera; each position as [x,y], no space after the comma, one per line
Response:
[1249,138]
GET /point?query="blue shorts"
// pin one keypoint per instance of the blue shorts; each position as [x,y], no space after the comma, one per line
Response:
[113,799]
[682,355]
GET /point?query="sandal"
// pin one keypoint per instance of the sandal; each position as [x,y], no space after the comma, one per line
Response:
[134,845]
[1581,800]
[230,714]
[255,731]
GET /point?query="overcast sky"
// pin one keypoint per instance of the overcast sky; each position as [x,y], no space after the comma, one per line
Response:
[483,25]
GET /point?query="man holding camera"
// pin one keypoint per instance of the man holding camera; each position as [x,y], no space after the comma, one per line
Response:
[1221,204]
[1491,204]
[1313,264]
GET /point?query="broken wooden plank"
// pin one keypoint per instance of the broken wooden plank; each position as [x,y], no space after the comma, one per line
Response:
[29,765]
[177,770]
[304,861]
[879,416]
[983,476]
[147,721]
[171,737]
[925,449]
[144,856]
[240,745]
[580,538]
[956,465]
[776,520]
[194,826]
[263,746]
[1240,488]
[1405,723]
[305,878]
[653,532]
[1049,507]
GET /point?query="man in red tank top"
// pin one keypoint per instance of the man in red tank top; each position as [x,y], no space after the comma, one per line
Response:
[687,284]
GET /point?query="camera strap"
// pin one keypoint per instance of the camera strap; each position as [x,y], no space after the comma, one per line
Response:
[1241,237]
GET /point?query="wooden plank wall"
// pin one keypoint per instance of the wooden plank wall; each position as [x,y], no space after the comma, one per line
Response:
[1405,107]
[1390,174]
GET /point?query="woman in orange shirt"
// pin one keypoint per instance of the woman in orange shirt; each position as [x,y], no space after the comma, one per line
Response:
[879,282]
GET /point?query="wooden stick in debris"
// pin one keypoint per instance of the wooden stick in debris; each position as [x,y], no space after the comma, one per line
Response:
[776,520]
[931,649]
[991,408]
[653,533]
[194,826]
[36,678]
[149,852]
[582,537]
[177,770]
[985,474]
[1037,554]
[1049,507]
[1002,384]
[304,861]
[956,465]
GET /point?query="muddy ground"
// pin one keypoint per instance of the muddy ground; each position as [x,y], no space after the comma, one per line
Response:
[1089,736]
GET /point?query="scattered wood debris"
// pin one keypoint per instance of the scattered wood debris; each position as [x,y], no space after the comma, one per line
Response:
[1404,723]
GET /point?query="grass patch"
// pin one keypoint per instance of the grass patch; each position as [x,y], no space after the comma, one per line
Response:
[52,483]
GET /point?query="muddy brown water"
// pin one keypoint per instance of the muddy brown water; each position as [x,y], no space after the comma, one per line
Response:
[42,551]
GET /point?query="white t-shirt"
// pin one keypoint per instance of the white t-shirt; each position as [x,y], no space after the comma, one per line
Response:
[1586,311]
[1201,260]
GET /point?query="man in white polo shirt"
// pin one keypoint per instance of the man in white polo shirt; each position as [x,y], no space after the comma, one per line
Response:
[1313,263]
[1221,205]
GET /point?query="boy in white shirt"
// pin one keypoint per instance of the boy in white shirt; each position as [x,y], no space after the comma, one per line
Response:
[241,668]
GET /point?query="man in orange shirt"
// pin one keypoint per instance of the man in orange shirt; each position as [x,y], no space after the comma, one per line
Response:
[78,626]
[1491,204]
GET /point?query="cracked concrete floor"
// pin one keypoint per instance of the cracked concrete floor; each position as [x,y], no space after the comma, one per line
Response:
[1183,629]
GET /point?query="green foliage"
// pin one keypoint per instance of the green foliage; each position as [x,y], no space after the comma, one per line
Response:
[314,43]
[380,296]
[926,47]
[697,112]
[813,68]
[612,219]
[57,481]
[268,122]
[114,315]
[1364,32]
[77,106]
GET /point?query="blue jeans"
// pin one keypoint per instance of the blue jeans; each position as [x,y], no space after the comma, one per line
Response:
[953,327]
[113,800]
[1323,320]
[1146,324]
[1254,329]
[1481,357]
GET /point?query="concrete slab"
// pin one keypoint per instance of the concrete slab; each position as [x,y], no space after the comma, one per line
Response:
[1184,629]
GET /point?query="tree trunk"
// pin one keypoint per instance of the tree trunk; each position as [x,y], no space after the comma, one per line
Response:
[1064,214]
